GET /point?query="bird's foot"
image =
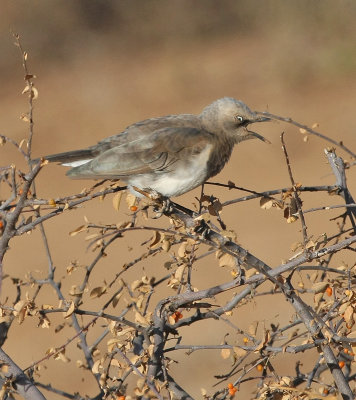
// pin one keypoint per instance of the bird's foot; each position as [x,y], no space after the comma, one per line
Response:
[162,204]
[202,229]
[163,207]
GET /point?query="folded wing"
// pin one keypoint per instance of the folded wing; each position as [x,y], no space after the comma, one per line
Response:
[161,151]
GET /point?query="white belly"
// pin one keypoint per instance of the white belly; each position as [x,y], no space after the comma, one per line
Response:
[174,183]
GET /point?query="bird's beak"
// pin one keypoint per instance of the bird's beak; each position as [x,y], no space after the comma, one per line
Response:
[255,134]
[258,136]
[262,119]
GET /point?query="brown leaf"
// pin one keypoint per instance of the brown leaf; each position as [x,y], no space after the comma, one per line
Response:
[61,356]
[266,338]
[239,352]
[130,199]
[44,322]
[182,250]
[98,291]
[70,310]
[227,260]
[24,117]
[4,368]
[116,300]
[288,215]
[96,367]
[166,245]
[156,239]
[231,184]
[116,201]
[34,93]
[348,315]
[20,310]
[267,203]
[144,321]
[77,230]
[215,208]
[252,329]
[225,353]
[319,287]
[75,291]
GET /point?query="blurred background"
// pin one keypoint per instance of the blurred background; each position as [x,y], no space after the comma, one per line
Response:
[102,65]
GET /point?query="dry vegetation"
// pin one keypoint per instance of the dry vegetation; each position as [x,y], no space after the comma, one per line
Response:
[130,306]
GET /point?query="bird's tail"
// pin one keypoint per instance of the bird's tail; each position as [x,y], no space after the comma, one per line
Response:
[75,157]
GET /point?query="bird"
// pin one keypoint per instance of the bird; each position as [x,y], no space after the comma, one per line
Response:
[168,155]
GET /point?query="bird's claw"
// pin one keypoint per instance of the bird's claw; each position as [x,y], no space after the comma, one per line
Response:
[165,207]
[202,229]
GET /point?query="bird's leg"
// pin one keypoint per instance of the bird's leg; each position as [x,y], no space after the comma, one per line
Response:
[165,207]
[162,205]
[201,197]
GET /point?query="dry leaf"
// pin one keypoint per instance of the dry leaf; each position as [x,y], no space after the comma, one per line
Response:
[225,353]
[136,284]
[24,117]
[342,308]
[348,315]
[227,260]
[4,368]
[182,250]
[166,245]
[20,310]
[156,239]
[252,329]
[130,199]
[77,230]
[266,338]
[98,291]
[116,201]
[141,319]
[215,208]
[44,322]
[61,356]
[70,310]
[96,366]
[23,141]
[178,274]
[75,291]
[352,335]
[290,212]
[116,300]
[319,287]
[239,352]
[267,203]
[34,93]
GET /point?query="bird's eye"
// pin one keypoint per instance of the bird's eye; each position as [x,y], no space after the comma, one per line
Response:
[239,118]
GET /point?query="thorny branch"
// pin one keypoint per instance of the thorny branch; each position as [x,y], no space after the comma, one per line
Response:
[144,327]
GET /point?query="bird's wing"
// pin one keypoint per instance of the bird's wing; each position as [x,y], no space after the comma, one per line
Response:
[146,128]
[160,151]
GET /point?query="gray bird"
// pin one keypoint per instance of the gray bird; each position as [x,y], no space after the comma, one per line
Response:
[169,155]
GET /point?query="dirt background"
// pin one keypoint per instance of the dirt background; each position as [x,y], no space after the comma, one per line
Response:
[102,65]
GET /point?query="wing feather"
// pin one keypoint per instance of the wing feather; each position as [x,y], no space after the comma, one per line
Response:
[158,152]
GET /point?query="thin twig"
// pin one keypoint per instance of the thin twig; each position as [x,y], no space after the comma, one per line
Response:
[297,199]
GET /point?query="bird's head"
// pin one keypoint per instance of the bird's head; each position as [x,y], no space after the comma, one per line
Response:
[231,117]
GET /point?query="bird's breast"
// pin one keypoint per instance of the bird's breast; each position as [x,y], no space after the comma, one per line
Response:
[219,156]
